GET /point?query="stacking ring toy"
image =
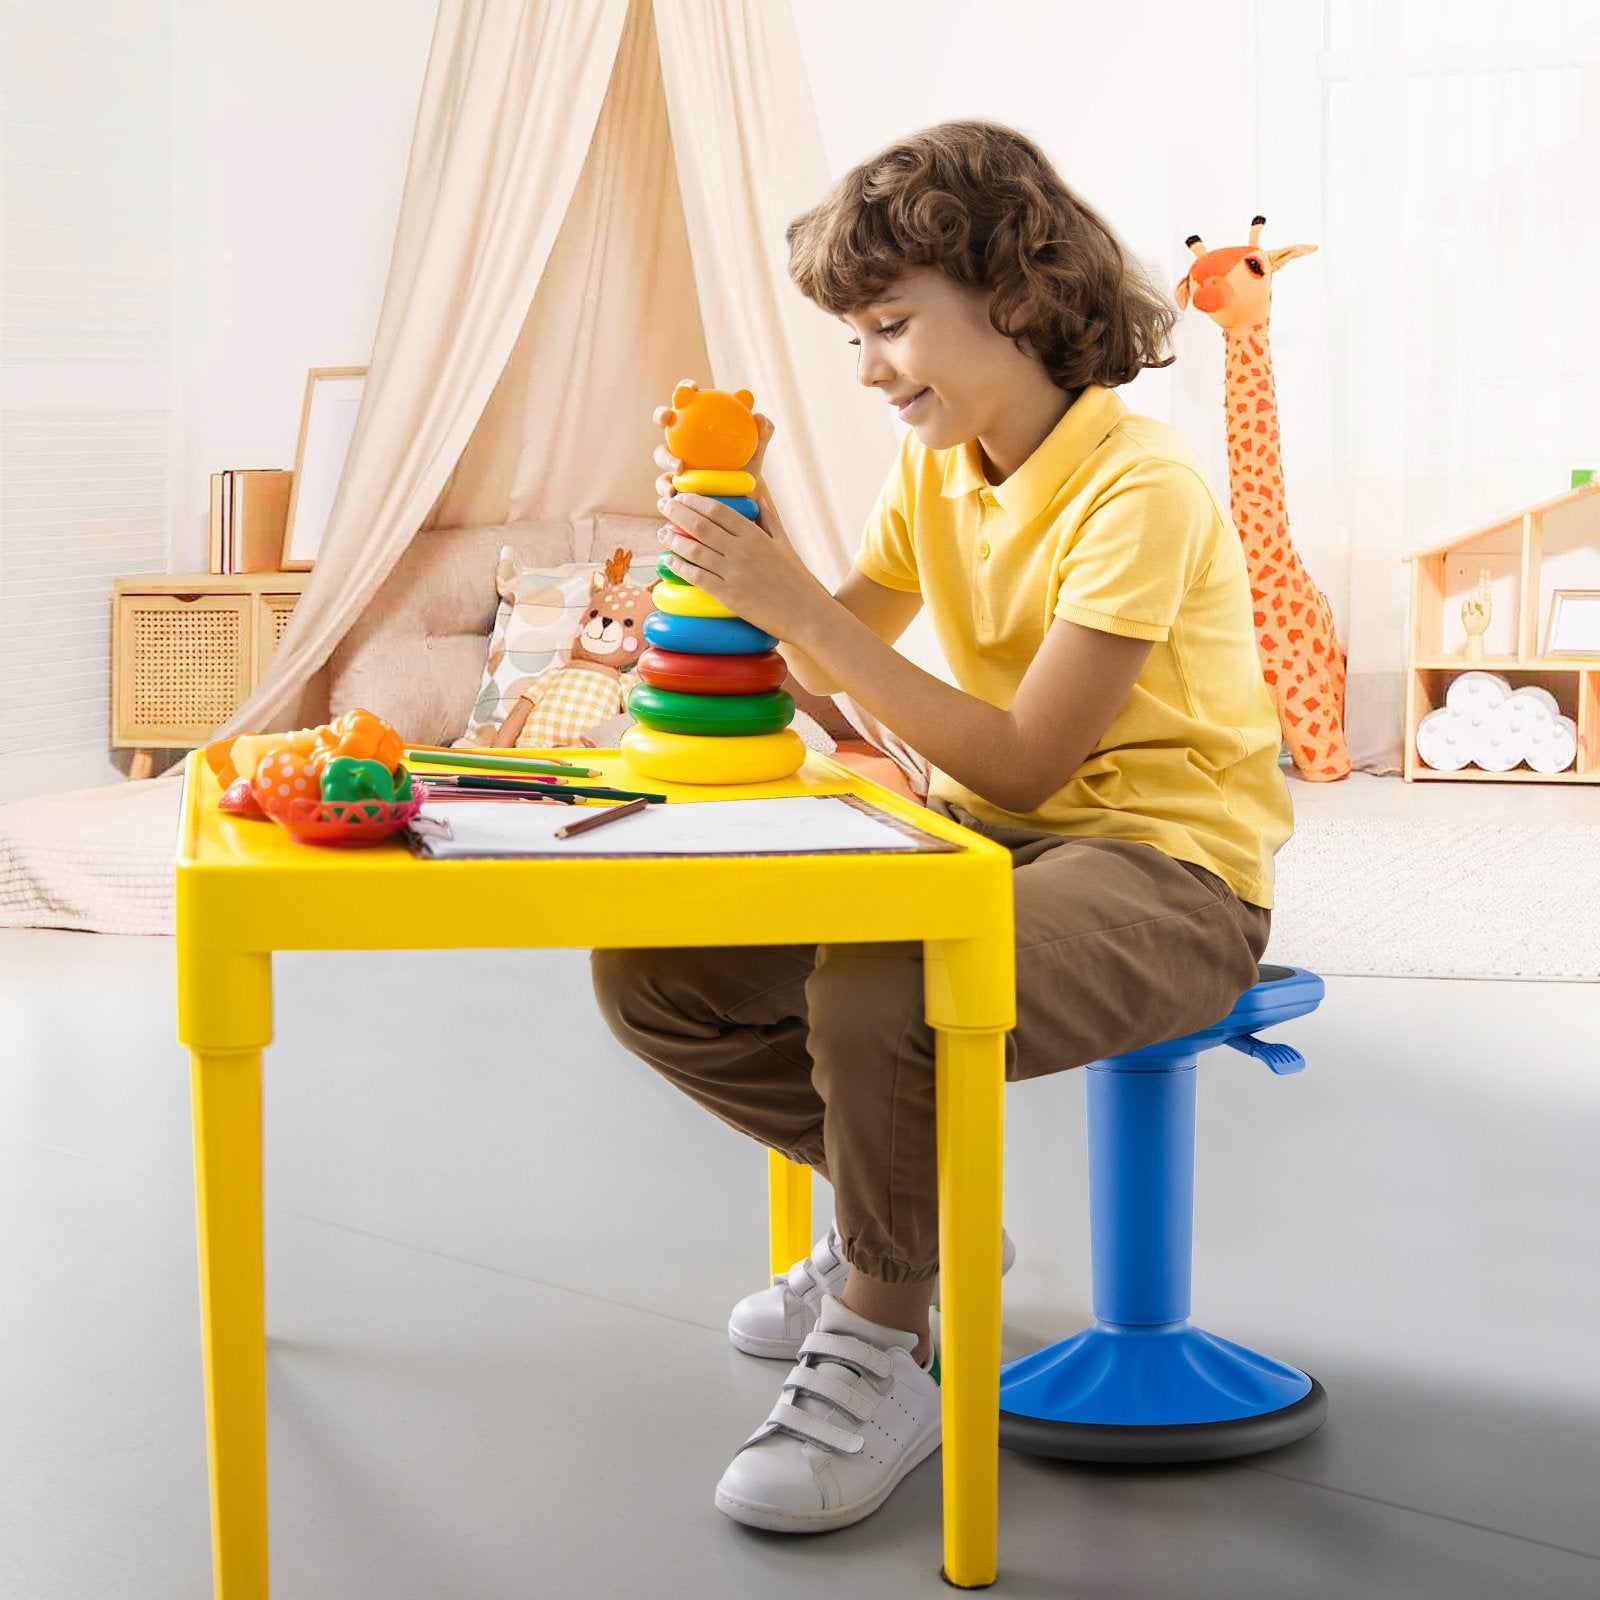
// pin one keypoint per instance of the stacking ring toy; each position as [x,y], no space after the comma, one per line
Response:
[670,669]
[707,480]
[687,600]
[666,572]
[711,636]
[742,503]
[685,758]
[716,716]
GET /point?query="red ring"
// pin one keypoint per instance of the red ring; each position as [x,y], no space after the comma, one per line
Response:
[705,674]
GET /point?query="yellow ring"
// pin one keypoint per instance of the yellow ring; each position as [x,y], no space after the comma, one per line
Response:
[707,480]
[687,600]
[703,758]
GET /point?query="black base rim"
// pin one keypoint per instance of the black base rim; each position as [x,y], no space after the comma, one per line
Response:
[950,1583]
[1166,1443]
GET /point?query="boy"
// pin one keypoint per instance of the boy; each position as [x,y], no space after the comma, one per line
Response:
[1111,727]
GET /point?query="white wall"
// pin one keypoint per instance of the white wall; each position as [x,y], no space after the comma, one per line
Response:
[297,122]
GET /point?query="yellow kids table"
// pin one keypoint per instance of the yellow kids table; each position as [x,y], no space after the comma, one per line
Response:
[246,889]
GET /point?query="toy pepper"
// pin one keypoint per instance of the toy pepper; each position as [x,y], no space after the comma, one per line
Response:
[348,778]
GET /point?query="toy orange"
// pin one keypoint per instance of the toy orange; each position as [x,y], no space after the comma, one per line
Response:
[283,776]
[710,428]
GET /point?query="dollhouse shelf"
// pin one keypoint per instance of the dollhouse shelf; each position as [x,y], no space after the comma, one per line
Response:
[1515,545]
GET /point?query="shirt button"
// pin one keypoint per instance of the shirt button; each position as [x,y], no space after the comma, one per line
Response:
[983,550]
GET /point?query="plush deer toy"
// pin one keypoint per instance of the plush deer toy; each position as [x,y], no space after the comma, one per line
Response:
[590,686]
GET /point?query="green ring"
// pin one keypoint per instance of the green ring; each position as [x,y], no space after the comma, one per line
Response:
[717,715]
[667,572]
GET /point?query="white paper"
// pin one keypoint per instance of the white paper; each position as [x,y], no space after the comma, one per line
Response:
[804,823]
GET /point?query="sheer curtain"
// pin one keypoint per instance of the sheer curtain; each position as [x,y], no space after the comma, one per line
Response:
[1461,234]
[594,208]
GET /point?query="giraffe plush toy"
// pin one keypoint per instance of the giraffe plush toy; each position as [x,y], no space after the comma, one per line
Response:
[1301,657]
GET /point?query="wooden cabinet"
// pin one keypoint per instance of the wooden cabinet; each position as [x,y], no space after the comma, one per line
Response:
[186,649]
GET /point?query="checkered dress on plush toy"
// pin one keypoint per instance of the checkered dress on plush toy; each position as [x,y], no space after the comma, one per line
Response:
[567,701]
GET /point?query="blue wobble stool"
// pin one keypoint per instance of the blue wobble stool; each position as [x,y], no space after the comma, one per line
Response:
[1142,1385]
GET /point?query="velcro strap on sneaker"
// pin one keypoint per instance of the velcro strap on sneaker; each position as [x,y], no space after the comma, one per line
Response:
[793,1420]
[855,1400]
[846,1347]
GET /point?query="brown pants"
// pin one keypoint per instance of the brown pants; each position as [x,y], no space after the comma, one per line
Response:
[822,1051]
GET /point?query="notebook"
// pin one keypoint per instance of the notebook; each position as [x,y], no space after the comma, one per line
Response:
[809,824]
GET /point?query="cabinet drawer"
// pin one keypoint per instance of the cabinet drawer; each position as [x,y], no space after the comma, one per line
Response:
[183,664]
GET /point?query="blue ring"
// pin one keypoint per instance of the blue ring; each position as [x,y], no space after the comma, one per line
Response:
[706,636]
[742,503]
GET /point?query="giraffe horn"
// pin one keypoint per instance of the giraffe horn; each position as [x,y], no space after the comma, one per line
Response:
[1195,244]
[1256,225]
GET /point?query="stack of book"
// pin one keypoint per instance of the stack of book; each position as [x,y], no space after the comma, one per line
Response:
[249,512]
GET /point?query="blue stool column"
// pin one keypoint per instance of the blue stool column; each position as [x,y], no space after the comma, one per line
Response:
[1141,1384]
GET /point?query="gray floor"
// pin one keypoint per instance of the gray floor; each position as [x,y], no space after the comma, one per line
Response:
[500,1254]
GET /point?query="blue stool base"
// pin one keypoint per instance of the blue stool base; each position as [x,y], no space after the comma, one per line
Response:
[1170,1394]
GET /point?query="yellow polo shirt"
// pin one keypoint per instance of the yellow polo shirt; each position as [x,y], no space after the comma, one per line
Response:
[1111,523]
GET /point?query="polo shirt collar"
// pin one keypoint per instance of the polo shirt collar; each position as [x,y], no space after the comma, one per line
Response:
[1064,449]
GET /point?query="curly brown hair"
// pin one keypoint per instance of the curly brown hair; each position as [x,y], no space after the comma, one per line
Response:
[981,202]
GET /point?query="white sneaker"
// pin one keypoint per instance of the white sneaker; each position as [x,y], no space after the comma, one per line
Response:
[856,1415]
[773,1322]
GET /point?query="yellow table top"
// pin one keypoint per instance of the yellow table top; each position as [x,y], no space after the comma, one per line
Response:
[248,885]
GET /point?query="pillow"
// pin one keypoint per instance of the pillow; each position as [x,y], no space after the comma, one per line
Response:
[541,610]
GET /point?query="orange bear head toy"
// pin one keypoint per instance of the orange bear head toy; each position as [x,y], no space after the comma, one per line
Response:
[710,429]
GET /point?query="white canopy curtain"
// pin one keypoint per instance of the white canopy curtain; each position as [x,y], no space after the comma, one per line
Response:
[594,208]
[1462,231]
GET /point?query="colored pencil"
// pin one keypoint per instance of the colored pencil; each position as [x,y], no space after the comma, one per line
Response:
[466,781]
[600,818]
[448,791]
[458,758]
[487,750]
[507,780]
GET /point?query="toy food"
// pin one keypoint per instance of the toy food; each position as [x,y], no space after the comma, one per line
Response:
[363,735]
[282,776]
[239,800]
[339,784]
[357,733]
[347,778]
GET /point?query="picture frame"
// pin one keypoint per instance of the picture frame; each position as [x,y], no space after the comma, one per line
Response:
[1574,625]
[327,423]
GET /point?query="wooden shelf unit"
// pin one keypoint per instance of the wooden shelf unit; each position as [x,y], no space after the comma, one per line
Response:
[186,649]
[1573,680]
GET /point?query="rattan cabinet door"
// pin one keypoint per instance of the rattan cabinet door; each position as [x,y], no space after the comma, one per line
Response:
[272,617]
[183,665]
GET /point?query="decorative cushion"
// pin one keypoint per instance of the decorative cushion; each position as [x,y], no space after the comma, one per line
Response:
[541,611]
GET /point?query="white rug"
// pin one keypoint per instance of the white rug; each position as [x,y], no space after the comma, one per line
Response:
[1389,898]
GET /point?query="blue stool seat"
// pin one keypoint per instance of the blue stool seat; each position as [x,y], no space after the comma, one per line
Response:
[1142,1384]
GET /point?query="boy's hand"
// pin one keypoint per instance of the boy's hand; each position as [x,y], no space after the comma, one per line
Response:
[761,579]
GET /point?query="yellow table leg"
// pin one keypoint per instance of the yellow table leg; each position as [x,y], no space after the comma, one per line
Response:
[971,1107]
[971,1002]
[789,1211]
[221,996]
